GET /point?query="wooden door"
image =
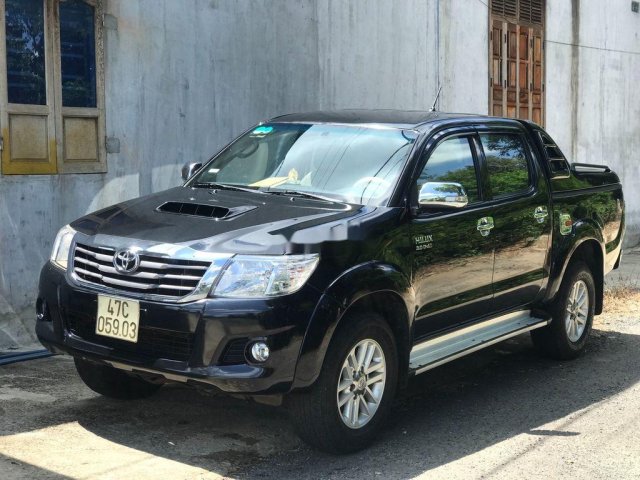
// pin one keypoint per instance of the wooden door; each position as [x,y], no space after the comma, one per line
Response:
[512,70]
[497,69]
[516,59]
[537,80]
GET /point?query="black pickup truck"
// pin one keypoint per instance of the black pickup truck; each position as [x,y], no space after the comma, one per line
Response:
[320,260]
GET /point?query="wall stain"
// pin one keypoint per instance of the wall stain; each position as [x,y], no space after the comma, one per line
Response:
[575,76]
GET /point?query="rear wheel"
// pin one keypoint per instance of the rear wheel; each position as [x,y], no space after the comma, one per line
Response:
[347,406]
[572,315]
[114,383]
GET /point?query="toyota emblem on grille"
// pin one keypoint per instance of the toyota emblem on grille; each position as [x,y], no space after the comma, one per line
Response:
[126,261]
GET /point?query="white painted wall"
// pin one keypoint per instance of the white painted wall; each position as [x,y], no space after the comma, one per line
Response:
[593,102]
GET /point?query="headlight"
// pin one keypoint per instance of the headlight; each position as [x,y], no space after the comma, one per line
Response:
[60,251]
[265,276]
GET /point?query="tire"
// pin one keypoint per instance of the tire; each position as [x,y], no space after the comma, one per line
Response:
[566,336]
[114,383]
[315,413]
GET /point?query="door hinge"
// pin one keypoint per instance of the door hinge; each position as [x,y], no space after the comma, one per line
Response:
[1,144]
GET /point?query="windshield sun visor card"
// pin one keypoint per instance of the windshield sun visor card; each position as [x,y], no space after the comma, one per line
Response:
[261,131]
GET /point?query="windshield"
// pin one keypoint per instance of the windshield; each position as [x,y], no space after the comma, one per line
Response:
[353,164]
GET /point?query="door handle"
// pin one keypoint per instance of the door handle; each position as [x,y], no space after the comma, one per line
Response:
[540,213]
[485,224]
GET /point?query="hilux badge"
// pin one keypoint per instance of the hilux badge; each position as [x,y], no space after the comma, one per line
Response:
[126,261]
[423,242]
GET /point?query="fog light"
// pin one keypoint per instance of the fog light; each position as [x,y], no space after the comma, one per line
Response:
[260,352]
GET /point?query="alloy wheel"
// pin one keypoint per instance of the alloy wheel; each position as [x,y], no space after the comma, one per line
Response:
[361,383]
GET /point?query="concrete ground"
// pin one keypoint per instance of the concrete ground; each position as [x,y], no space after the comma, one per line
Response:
[502,413]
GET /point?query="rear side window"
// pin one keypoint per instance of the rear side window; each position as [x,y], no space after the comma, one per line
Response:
[507,163]
[452,161]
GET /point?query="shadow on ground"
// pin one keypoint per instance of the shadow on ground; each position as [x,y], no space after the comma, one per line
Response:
[444,415]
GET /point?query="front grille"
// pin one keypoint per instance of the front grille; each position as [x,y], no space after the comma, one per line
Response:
[155,275]
[152,342]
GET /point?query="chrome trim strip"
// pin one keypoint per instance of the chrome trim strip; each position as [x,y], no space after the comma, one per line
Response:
[143,263]
[166,266]
[98,256]
[115,281]
[469,346]
[147,275]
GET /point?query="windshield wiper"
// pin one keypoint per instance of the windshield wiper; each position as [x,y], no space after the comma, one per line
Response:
[297,193]
[224,186]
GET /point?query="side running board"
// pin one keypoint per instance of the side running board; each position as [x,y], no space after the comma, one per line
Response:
[445,348]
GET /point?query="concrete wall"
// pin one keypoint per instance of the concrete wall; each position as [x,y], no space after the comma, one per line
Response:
[593,103]
[183,78]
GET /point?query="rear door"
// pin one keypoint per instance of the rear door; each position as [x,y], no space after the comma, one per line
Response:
[452,258]
[520,199]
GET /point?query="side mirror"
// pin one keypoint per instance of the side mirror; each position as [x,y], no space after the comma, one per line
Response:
[188,169]
[441,195]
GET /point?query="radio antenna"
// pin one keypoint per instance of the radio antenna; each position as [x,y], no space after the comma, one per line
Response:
[433,107]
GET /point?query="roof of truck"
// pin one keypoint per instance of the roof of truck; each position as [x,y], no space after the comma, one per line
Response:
[394,118]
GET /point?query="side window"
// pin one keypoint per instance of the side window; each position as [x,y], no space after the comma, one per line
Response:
[452,161]
[506,163]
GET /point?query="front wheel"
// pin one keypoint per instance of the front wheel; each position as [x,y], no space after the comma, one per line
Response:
[347,406]
[572,315]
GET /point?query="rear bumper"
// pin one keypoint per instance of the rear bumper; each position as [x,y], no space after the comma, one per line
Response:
[203,341]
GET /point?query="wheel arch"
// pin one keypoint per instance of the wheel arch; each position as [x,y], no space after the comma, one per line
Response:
[586,245]
[373,286]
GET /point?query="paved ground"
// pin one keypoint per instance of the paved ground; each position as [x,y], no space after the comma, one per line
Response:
[502,413]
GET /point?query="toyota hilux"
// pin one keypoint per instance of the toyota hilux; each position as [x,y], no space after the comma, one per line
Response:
[320,260]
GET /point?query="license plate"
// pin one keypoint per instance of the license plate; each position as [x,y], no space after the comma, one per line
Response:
[118,318]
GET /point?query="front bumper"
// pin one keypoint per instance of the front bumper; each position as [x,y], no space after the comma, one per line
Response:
[202,341]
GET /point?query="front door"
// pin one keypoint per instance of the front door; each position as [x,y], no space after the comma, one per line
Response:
[453,248]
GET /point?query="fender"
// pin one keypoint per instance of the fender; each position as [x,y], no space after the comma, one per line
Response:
[583,231]
[357,283]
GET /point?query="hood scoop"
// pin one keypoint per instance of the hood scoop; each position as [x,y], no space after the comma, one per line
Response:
[203,210]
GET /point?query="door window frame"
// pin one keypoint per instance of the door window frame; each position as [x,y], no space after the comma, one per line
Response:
[534,174]
[424,154]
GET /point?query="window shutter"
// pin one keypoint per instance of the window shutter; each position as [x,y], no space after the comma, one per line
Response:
[505,8]
[531,11]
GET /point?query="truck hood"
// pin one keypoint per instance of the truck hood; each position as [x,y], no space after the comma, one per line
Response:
[225,221]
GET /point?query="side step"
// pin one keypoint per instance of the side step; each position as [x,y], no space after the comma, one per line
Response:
[437,351]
